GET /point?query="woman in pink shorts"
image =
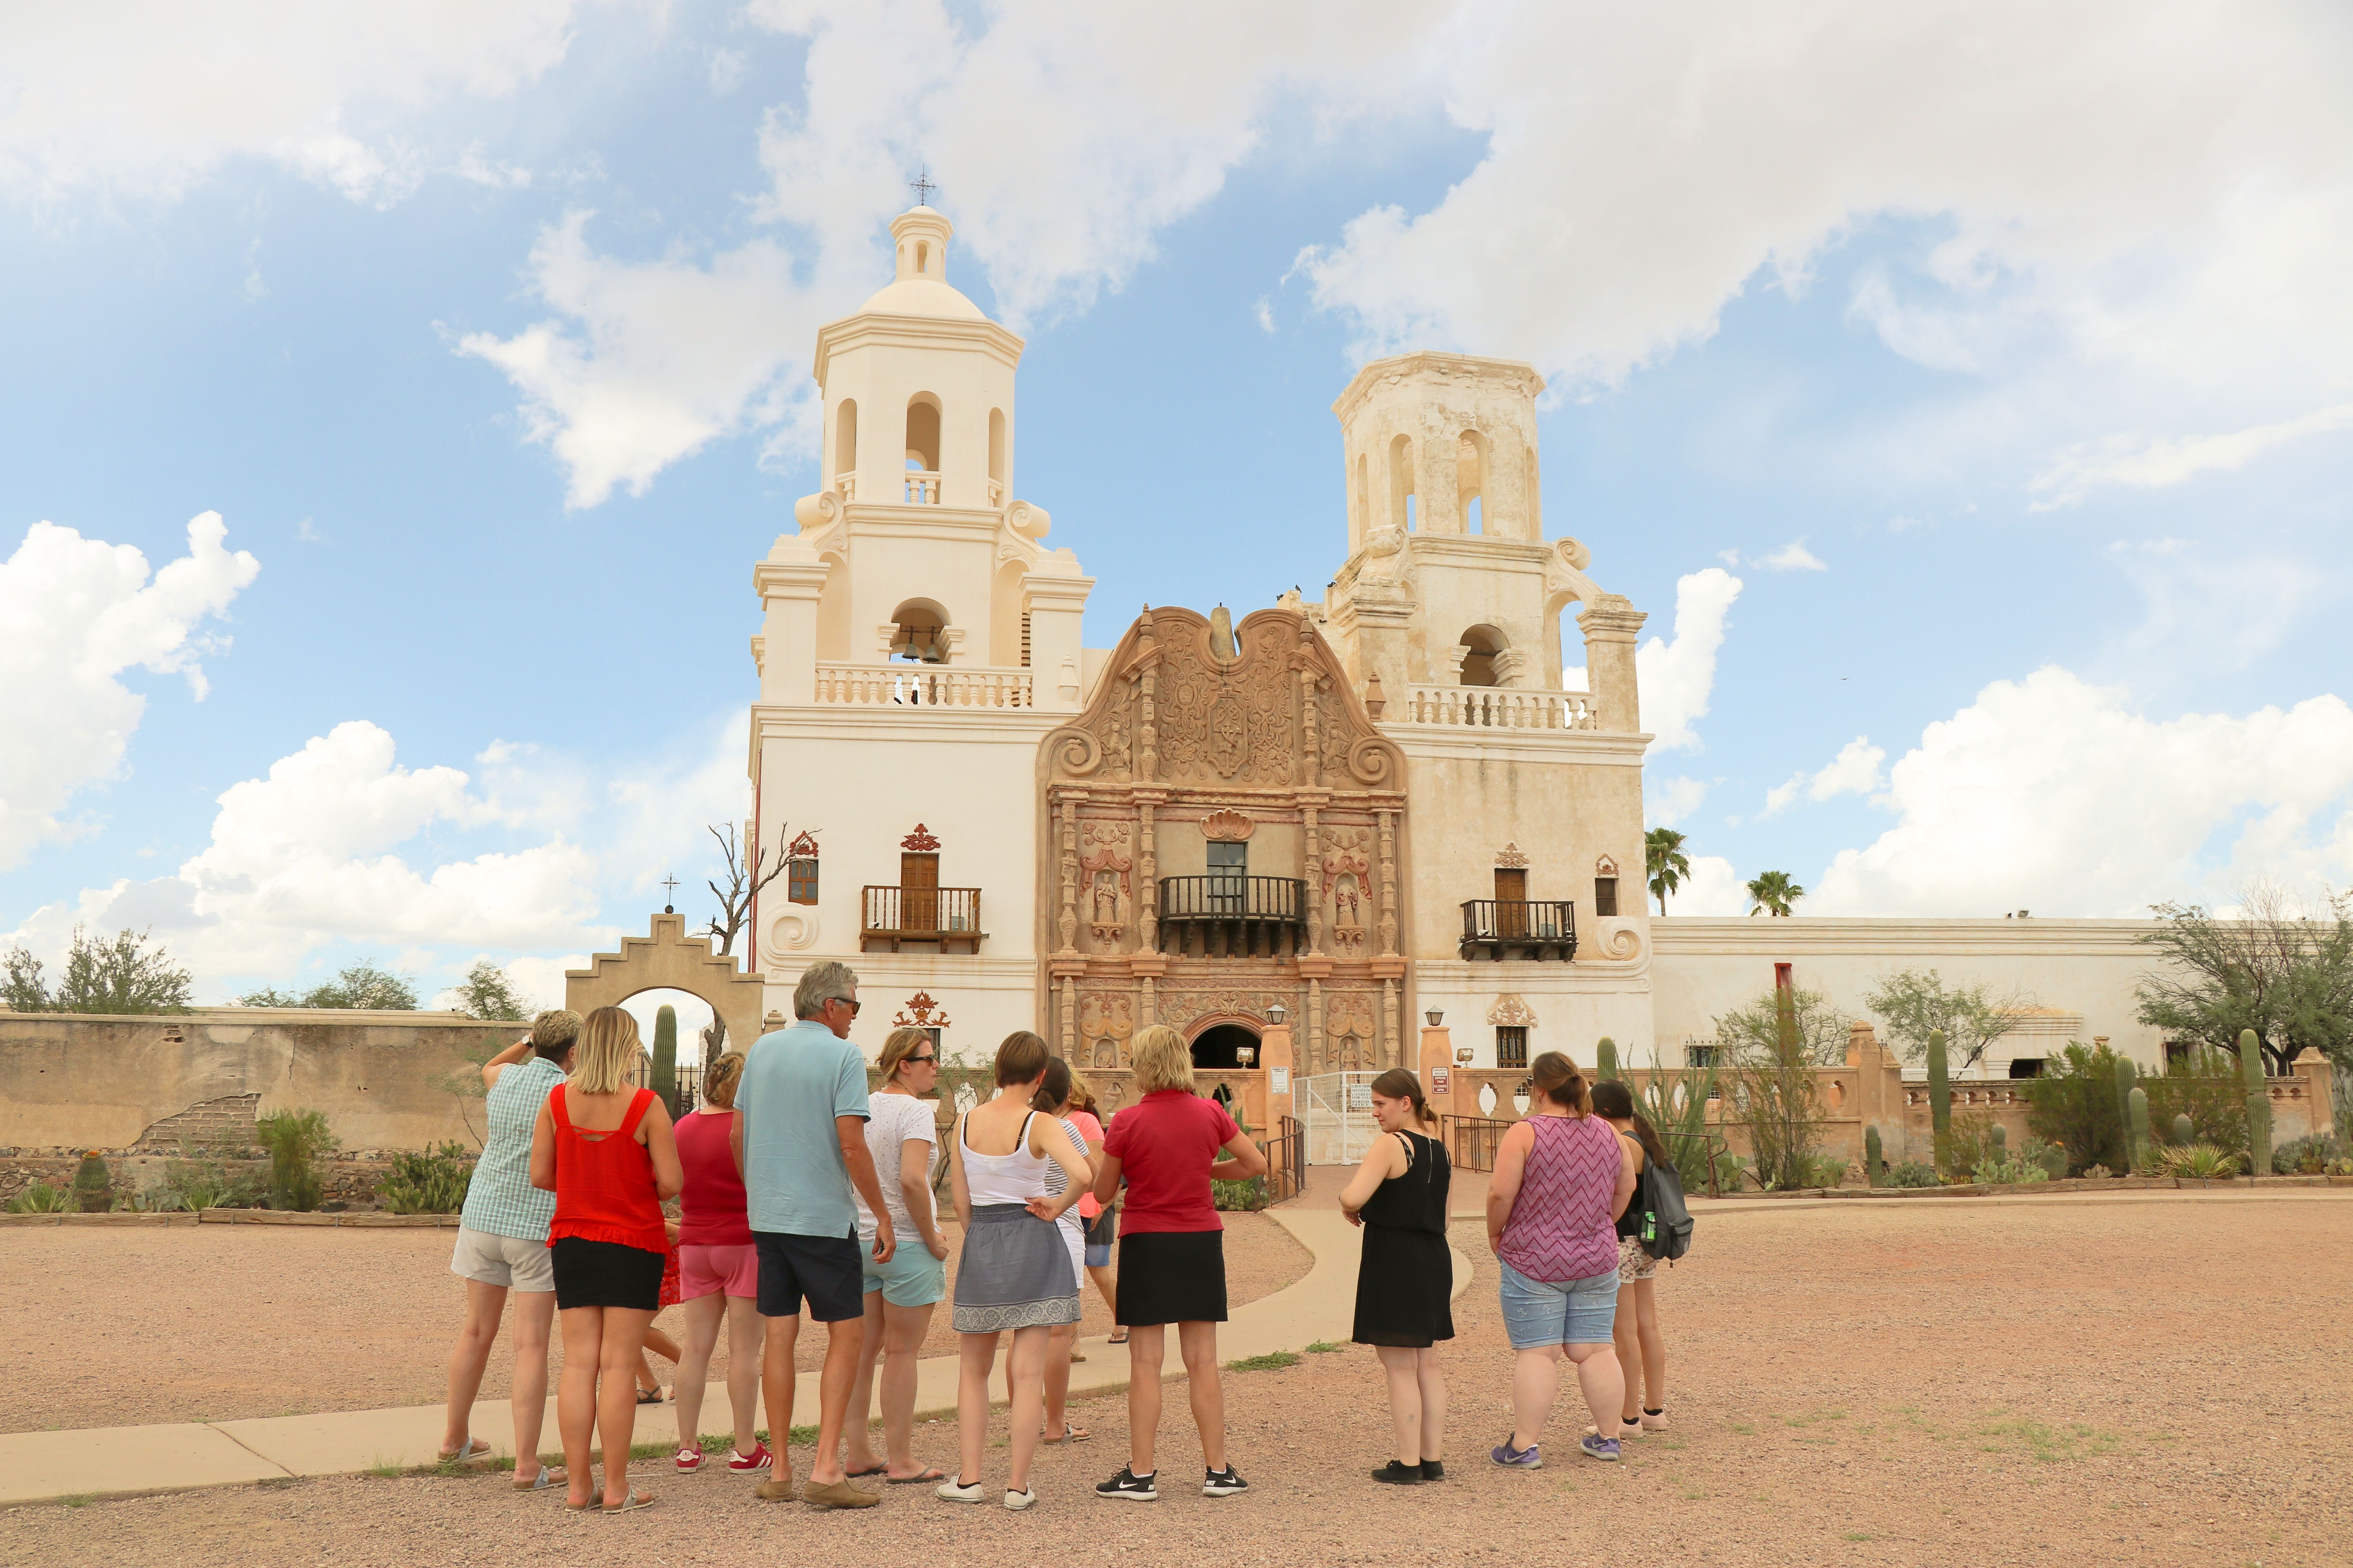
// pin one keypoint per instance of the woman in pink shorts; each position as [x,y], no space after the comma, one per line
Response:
[718,1275]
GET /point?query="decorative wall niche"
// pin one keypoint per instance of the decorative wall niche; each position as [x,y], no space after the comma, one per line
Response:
[1228,827]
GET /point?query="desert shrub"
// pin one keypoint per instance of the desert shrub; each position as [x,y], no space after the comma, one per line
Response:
[1676,1101]
[429,1181]
[43,1198]
[1970,1141]
[1822,1171]
[2074,1104]
[1773,1046]
[202,1185]
[2206,1086]
[2304,1156]
[2099,1172]
[2007,1170]
[2202,1162]
[1912,1173]
[1244,1196]
[293,1139]
[2341,1168]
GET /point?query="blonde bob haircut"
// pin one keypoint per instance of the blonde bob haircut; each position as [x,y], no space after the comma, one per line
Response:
[719,1083]
[607,1056]
[1161,1060]
[901,1045]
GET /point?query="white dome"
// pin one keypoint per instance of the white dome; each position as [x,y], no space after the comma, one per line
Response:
[923,297]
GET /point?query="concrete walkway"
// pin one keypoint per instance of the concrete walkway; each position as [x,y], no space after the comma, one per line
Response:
[129,1461]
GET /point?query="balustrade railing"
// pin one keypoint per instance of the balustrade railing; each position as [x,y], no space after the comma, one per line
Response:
[921,911]
[846,486]
[1536,924]
[1494,708]
[922,488]
[924,686]
[1233,898]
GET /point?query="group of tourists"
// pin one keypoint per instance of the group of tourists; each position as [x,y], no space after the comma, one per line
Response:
[797,1188]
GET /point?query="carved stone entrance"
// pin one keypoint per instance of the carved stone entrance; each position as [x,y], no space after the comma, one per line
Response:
[670,959]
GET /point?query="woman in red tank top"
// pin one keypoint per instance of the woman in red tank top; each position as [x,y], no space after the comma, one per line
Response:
[605,1151]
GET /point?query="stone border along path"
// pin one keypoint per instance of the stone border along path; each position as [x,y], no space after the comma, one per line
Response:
[94,1462]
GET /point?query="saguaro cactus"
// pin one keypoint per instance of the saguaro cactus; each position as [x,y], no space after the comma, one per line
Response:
[2183,1131]
[2125,1077]
[1872,1162]
[665,1056]
[1940,1100]
[93,1184]
[1605,1059]
[2259,1105]
[2137,1126]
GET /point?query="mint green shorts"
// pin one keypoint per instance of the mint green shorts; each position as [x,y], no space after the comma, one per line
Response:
[912,1277]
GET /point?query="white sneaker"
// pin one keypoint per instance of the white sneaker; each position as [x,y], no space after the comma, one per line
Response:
[1017,1501]
[953,1490]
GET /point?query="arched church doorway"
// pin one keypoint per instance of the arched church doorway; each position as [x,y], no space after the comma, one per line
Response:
[1218,1047]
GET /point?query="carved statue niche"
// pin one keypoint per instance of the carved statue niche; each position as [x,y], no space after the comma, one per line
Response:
[1349,1025]
[1348,867]
[1104,863]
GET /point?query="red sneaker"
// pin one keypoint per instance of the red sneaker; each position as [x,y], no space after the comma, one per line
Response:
[759,1458]
[689,1459]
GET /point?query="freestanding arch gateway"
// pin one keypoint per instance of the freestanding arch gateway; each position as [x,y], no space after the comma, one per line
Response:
[670,959]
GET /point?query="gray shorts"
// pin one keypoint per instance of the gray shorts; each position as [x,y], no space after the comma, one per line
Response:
[507,1260]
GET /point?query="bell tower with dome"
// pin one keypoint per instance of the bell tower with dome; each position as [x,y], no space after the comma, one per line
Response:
[918,641]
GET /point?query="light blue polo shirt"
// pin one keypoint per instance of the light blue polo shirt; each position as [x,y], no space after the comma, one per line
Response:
[795,1082]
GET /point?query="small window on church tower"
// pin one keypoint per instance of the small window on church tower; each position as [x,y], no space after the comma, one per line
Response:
[1511,1044]
[800,880]
[1605,895]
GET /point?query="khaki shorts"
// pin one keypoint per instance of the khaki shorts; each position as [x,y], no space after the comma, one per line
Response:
[502,1260]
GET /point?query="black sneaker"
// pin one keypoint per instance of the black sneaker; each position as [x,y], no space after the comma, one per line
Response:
[1224,1483]
[1433,1469]
[1127,1484]
[1398,1474]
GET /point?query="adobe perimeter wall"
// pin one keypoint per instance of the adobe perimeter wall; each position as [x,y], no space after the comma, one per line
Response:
[106,1082]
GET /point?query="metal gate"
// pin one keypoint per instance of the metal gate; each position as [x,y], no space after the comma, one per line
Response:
[1336,1111]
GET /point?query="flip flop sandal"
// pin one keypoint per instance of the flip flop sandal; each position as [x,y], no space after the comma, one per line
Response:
[1069,1435]
[649,1397]
[930,1474]
[635,1500]
[549,1475]
[476,1450]
[869,1470]
[1119,1337]
[1077,1354]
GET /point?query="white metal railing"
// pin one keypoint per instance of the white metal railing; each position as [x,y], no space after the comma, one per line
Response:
[924,686]
[922,488]
[1494,708]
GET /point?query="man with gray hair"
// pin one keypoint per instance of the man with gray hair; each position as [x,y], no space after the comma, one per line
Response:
[800,1142]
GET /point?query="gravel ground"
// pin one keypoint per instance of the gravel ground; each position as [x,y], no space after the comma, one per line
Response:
[270,1320]
[2156,1384]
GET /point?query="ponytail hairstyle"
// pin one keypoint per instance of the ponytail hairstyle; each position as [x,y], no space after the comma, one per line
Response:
[1054,1089]
[1613,1102]
[1556,1078]
[1399,1084]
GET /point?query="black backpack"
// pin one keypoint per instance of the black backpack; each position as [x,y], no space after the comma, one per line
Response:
[1666,1220]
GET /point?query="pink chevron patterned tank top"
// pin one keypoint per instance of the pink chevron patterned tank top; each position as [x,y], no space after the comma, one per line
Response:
[1561,1227]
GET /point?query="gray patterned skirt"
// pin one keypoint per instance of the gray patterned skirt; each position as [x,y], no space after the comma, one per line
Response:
[1015,1272]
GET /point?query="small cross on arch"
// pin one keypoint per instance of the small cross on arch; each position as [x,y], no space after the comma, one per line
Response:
[669,886]
[923,185]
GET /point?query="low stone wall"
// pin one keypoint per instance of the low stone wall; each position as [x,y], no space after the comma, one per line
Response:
[351,1180]
[108,1082]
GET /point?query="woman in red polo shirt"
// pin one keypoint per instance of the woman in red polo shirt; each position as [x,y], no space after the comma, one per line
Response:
[1172,1256]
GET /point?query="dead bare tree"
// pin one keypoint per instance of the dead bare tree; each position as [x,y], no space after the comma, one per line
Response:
[749,869]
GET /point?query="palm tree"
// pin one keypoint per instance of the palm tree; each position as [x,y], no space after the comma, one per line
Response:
[1663,856]
[1773,893]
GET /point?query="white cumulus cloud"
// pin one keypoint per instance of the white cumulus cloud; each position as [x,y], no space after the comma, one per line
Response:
[1675,678]
[1854,771]
[2054,795]
[2141,462]
[1672,800]
[79,613]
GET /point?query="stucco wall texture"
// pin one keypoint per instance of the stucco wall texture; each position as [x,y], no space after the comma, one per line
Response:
[70,1080]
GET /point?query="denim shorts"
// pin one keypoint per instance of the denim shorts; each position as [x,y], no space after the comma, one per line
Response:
[1579,1312]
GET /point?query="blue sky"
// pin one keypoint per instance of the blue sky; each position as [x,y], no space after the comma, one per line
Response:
[2000,359]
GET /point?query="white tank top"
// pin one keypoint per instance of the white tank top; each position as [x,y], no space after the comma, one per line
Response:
[1014,1178]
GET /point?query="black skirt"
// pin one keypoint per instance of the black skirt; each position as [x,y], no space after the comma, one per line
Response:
[1405,1289]
[606,1274]
[1171,1277]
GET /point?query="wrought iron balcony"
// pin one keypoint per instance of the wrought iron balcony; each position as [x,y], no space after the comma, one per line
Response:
[1232,917]
[1519,928]
[946,919]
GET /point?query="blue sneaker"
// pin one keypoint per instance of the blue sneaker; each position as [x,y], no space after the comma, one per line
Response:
[1604,1448]
[1512,1459]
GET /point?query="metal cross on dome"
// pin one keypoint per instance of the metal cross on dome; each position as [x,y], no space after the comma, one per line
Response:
[923,185]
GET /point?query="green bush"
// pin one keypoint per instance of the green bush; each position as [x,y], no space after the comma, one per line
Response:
[1245,1196]
[1967,1142]
[2304,1156]
[1911,1174]
[196,1184]
[430,1181]
[2008,1172]
[2206,1086]
[1822,1171]
[2074,1104]
[293,1139]
[93,1184]
[2202,1162]
[43,1198]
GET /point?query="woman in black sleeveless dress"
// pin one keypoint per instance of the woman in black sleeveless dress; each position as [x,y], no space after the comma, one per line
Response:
[1405,1284]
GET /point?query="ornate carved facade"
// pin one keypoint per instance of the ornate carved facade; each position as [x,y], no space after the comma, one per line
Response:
[1228,835]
